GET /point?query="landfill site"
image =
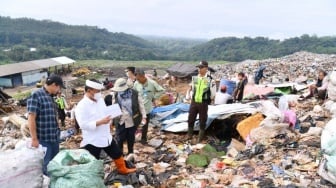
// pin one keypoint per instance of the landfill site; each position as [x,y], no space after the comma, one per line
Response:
[274,137]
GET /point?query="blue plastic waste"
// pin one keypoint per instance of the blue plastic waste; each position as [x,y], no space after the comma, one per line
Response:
[230,85]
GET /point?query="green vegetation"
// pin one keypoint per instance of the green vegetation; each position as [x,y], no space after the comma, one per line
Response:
[21,95]
[145,64]
[27,39]
[18,36]
[236,49]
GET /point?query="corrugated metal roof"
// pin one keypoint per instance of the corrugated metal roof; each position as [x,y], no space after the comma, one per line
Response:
[45,63]
[15,68]
[64,60]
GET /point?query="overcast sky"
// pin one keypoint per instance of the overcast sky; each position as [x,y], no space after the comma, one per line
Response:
[208,19]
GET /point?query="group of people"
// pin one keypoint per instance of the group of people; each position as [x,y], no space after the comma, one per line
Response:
[135,96]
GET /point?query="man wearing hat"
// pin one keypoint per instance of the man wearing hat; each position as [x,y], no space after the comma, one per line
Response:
[95,124]
[203,89]
[149,90]
[42,118]
[133,112]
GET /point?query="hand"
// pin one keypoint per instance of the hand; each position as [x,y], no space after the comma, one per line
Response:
[143,121]
[103,121]
[35,143]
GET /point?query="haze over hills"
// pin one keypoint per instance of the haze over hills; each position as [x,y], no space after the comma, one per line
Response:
[25,39]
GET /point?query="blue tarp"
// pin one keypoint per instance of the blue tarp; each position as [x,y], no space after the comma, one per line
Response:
[174,117]
[169,111]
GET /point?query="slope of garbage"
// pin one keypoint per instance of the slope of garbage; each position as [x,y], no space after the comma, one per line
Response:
[259,146]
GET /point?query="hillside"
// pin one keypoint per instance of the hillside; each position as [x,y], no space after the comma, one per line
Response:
[239,49]
[173,46]
[26,39]
[50,38]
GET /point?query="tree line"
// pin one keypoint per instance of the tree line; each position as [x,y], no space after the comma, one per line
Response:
[27,39]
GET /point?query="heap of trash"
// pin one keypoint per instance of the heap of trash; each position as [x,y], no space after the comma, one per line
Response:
[270,141]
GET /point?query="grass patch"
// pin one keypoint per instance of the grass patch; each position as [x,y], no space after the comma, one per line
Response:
[21,95]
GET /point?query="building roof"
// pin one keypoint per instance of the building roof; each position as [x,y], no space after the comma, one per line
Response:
[26,66]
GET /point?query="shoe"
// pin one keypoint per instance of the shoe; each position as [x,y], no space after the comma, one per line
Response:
[121,166]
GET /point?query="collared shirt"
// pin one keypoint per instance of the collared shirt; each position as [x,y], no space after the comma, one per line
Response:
[43,105]
[87,113]
[149,91]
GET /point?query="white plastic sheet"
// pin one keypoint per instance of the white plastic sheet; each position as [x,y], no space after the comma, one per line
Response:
[21,167]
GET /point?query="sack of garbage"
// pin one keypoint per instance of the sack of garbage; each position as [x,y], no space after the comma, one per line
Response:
[332,92]
[76,169]
[328,138]
[21,167]
[332,78]
[325,173]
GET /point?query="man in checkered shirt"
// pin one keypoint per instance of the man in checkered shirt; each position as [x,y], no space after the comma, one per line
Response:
[42,118]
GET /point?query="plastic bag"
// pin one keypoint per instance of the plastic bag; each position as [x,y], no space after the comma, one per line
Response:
[21,167]
[76,168]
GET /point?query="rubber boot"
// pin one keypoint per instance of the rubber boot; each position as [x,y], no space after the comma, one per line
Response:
[121,166]
[190,133]
[201,134]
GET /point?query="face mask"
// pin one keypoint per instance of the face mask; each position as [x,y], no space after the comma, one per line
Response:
[97,96]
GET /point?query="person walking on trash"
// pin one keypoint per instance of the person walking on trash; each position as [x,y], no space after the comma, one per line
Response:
[95,124]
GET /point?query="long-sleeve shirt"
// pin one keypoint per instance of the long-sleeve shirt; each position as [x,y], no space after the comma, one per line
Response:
[87,114]
[149,91]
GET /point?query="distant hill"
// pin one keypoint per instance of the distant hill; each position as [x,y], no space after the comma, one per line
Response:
[173,46]
[50,38]
[239,49]
[26,39]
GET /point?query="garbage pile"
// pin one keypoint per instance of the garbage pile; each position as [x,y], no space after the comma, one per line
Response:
[279,142]
[278,69]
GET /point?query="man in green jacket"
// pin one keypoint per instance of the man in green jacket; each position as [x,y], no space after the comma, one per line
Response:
[149,90]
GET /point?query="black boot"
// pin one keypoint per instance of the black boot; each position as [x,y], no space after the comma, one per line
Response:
[144,131]
[190,132]
[201,134]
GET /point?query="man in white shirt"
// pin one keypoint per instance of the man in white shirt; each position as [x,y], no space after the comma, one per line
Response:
[222,97]
[95,124]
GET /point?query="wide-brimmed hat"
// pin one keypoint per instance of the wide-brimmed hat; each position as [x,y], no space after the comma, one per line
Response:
[120,85]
